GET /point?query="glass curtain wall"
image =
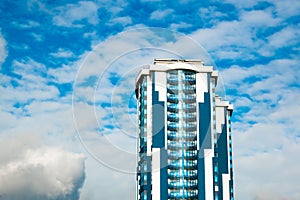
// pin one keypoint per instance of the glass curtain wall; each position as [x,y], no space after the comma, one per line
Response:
[181,134]
[142,163]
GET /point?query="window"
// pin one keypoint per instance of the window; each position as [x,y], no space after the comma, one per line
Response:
[216,178]
[215,168]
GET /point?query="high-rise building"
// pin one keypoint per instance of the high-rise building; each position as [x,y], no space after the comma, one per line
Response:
[184,139]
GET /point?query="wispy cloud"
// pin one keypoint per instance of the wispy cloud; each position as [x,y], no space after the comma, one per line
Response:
[180,25]
[236,39]
[120,20]
[37,37]
[62,53]
[254,43]
[259,18]
[64,74]
[27,24]
[285,37]
[103,97]
[266,129]
[3,50]
[73,15]
[160,14]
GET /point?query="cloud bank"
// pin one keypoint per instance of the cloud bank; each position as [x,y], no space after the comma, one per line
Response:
[41,173]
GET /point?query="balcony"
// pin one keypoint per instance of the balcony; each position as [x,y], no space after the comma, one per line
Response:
[173,117]
[189,99]
[191,165]
[185,156]
[187,185]
[173,126]
[187,174]
[188,195]
[174,136]
[173,108]
[189,82]
[172,98]
[172,81]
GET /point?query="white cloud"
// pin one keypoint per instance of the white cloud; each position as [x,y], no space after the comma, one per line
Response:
[122,55]
[72,14]
[27,25]
[180,25]
[62,53]
[50,120]
[41,173]
[31,85]
[32,105]
[37,37]
[259,18]
[283,9]
[266,85]
[160,14]
[3,50]
[113,7]
[27,92]
[277,71]
[224,34]
[85,120]
[106,179]
[210,14]
[265,137]
[92,35]
[286,37]
[286,9]
[64,74]
[150,0]
[236,39]
[120,20]
[264,155]
[27,67]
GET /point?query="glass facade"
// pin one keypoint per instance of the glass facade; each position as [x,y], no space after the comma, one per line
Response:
[181,134]
[230,157]
[142,162]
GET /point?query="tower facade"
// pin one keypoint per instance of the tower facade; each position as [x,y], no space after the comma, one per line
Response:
[184,140]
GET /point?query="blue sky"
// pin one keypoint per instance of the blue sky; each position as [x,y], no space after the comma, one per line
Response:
[67,71]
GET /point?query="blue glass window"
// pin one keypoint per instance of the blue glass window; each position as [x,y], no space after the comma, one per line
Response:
[215,168]
[216,178]
[181,132]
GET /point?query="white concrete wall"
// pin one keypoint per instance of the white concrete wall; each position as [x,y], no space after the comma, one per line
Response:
[149,115]
[208,168]
[156,174]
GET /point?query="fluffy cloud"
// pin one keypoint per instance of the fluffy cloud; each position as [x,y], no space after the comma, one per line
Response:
[160,14]
[103,96]
[121,182]
[32,117]
[266,129]
[62,53]
[282,9]
[31,84]
[3,51]
[265,95]
[64,74]
[285,37]
[120,20]
[264,157]
[73,14]
[26,25]
[40,173]
[236,39]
